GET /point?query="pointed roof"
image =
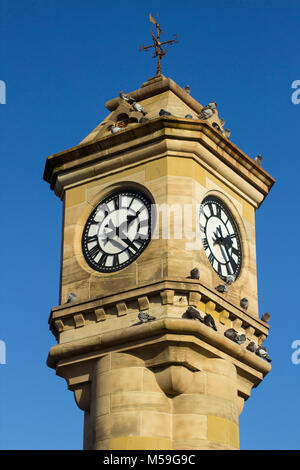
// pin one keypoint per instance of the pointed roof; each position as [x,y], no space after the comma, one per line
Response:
[167,110]
[158,93]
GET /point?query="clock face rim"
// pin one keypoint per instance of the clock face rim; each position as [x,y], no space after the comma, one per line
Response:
[227,211]
[111,196]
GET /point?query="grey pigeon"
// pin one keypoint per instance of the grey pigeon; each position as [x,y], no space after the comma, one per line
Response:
[252,346]
[195,274]
[209,321]
[222,288]
[193,313]
[216,126]
[163,112]
[126,97]
[187,89]
[188,116]
[258,159]
[139,108]
[114,129]
[72,298]
[232,334]
[262,352]
[144,317]
[244,303]
[143,119]
[222,122]
[208,111]
[227,133]
[266,317]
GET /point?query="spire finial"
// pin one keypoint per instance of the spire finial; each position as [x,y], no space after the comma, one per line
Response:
[159,52]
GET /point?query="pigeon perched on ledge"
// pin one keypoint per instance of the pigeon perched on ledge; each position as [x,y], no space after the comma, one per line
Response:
[252,347]
[244,303]
[114,129]
[195,273]
[144,317]
[194,314]
[262,352]
[222,288]
[208,111]
[258,159]
[209,321]
[232,334]
[266,317]
[163,112]
[72,298]
[126,97]
[139,108]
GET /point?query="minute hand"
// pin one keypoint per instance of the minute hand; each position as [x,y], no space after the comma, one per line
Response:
[128,242]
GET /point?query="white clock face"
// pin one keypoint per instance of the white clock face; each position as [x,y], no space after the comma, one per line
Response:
[220,238]
[117,231]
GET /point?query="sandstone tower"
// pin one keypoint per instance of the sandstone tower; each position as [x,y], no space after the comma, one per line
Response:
[149,371]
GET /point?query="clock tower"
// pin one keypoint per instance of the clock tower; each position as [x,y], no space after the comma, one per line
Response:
[157,328]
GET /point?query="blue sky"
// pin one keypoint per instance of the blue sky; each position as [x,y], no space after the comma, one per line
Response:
[61,61]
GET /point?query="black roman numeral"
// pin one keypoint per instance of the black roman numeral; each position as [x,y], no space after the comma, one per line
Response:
[103,259]
[211,258]
[205,243]
[235,251]
[93,252]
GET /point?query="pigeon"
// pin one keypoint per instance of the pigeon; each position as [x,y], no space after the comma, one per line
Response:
[244,303]
[209,321]
[126,98]
[216,126]
[266,317]
[258,159]
[208,111]
[187,89]
[163,112]
[72,298]
[232,334]
[230,279]
[139,108]
[195,274]
[143,119]
[222,122]
[222,288]
[188,116]
[145,317]
[252,346]
[114,129]
[262,352]
[193,313]
[227,133]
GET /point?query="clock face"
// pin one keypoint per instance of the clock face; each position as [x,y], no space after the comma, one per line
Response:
[220,238]
[117,231]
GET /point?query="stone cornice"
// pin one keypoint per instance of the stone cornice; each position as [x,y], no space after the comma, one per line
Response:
[179,329]
[109,148]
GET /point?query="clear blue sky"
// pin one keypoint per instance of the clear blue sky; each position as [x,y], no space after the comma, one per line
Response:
[61,61]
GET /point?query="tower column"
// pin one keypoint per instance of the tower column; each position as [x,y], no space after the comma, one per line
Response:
[128,409]
[133,407]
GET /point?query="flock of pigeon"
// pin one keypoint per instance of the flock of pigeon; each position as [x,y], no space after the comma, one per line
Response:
[207,112]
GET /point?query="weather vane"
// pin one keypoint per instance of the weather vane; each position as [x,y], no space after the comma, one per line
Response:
[158,46]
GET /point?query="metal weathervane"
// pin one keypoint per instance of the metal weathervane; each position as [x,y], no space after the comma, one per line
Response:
[158,46]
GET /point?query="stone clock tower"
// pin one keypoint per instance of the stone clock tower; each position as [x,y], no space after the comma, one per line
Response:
[157,327]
